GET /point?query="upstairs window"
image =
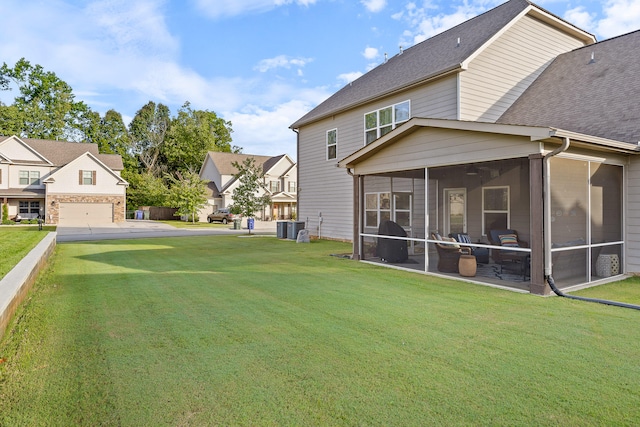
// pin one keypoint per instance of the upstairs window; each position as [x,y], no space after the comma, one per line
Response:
[332,144]
[292,186]
[274,186]
[380,122]
[87,178]
[29,177]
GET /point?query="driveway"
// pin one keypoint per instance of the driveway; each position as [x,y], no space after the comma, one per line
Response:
[136,229]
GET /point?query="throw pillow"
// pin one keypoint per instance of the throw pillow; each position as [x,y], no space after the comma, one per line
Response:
[509,240]
[451,239]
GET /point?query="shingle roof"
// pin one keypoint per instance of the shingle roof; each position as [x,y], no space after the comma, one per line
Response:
[430,58]
[223,161]
[598,98]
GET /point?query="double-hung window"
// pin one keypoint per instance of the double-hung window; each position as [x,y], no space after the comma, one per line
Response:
[29,177]
[274,186]
[292,186]
[495,208]
[332,144]
[380,122]
[87,177]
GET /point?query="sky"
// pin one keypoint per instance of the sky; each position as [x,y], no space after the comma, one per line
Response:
[260,64]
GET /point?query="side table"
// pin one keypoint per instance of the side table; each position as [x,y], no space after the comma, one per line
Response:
[467,265]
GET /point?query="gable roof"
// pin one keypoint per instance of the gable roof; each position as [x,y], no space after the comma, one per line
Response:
[597,97]
[121,181]
[432,58]
[224,161]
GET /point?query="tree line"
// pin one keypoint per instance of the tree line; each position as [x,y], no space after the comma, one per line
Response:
[161,153]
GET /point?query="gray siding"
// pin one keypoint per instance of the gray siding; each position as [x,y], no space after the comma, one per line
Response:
[632,232]
[327,189]
[502,72]
[429,147]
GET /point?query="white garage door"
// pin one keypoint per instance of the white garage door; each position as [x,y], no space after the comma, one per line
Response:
[85,213]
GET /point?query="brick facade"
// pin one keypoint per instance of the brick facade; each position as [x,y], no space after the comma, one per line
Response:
[52,206]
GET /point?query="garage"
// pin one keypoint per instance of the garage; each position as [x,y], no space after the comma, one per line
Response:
[85,213]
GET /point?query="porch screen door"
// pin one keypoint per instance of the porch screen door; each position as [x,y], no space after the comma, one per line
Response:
[455,215]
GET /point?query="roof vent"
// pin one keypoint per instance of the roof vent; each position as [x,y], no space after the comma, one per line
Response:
[386,57]
[401,50]
[458,44]
[593,58]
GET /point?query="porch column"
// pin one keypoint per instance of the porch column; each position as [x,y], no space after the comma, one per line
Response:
[357,202]
[538,284]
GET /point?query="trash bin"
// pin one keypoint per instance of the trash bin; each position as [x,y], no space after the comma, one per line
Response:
[145,215]
[292,229]
[281,229]
[250,223]
[237,224]
[138,215]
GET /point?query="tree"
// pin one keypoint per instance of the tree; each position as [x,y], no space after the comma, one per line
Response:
[192,134]
[46,106]
[148,130]
[247,199]
[145,189]
[187,193]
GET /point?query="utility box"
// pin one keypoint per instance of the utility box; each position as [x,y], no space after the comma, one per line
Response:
[281,229]
[292,229]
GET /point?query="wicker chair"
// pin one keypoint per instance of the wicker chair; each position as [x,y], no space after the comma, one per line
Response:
[448,254]
[494,239]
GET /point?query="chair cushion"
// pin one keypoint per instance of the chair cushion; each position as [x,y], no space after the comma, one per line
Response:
[509,240]
[450,239]
[462,238]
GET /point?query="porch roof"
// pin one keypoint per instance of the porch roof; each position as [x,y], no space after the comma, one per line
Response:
[535,133]
[23,193]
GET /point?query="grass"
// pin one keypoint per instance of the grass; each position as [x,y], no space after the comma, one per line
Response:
[224,330]
[16,242]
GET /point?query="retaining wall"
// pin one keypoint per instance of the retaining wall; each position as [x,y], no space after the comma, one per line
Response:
[15,286]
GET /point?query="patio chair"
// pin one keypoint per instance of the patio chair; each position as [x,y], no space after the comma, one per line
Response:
[448,255]
[481,254]
[508,238]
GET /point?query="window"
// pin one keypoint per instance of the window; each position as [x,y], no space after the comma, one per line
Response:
[380,122]
[377,208]
[402,209]
[29,208]
[332,144]
[274,186]
[495,208]
[29,177]
[87,177]
[292,186]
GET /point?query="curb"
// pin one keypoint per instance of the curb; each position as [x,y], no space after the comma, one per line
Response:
[15,286]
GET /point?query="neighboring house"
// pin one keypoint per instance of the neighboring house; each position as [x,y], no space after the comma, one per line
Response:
[513,120]
[64,182]
[280,174]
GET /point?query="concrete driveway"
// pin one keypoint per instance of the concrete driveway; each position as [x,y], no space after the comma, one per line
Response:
[136,229]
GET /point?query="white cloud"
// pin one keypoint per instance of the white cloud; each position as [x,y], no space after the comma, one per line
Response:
[349,77]
[222,8]
[374,5]
[281,61]
[423,23]
[579,17]
[370,53]
[621,16]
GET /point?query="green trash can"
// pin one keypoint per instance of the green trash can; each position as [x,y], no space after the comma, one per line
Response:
[237,224]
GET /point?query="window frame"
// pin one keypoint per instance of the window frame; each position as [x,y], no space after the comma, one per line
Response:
[378,122]
[332,146]
[87,177]
[31,178]
[485,211]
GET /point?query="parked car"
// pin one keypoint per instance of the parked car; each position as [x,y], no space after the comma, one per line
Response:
[221,215]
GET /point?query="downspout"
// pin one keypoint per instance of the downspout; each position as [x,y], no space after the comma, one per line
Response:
[548,265]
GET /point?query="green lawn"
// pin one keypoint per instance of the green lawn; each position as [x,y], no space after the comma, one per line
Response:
[227,330]
[16,242]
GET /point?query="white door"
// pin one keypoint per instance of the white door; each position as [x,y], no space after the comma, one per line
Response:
[85,213]
[455,205]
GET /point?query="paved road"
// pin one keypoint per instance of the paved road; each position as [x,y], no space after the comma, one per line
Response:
[136,229]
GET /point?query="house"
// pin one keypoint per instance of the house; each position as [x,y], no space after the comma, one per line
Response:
[280,175]
[62,182]
[514,127]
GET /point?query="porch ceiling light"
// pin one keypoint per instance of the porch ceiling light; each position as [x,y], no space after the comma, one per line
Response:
[472,171]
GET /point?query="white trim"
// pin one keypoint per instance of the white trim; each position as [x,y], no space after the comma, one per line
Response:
[327,145]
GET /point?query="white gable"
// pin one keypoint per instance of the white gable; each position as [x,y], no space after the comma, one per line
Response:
[15,150]
[66,180]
